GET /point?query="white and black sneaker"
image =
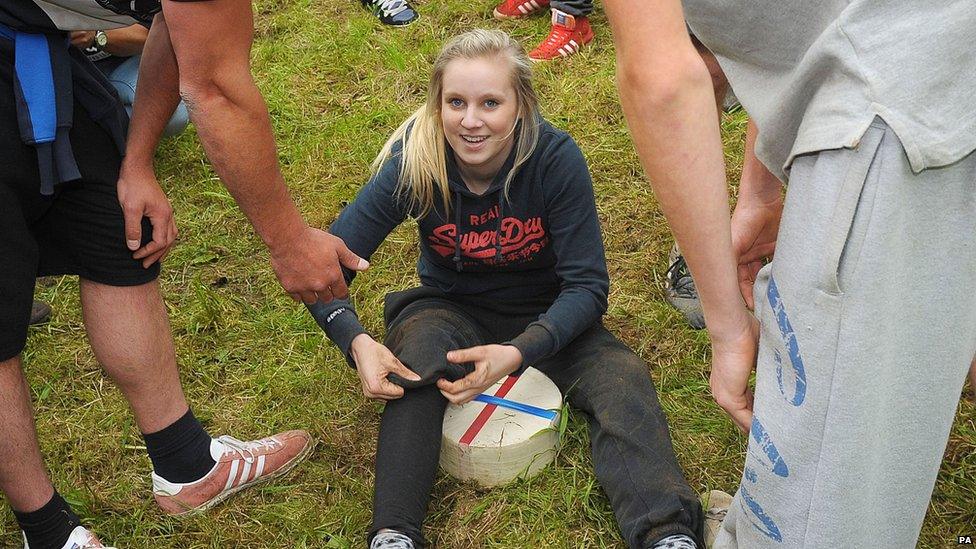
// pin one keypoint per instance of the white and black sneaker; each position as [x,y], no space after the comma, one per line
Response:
[680,291]
[391,539]
[80,538]
[392,12]
[716,504]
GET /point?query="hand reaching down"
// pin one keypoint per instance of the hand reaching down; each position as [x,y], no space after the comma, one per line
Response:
[308,265]
[141,196]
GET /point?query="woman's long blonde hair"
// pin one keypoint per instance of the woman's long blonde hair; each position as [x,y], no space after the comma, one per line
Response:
[423,166]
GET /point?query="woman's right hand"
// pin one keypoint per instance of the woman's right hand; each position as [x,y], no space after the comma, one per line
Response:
[373,363]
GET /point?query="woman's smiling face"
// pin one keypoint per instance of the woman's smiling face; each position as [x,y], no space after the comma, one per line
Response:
[479,108]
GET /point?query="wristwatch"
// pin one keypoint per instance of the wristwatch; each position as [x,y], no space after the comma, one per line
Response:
[101,40]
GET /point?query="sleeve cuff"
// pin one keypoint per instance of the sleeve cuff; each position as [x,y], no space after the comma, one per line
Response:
[340,323]
[535,344]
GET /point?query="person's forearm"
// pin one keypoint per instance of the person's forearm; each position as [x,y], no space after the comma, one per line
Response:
[127,41]
[669,106]
[757,182]
[339,321]
[233,123]
[212,43]
[157,96]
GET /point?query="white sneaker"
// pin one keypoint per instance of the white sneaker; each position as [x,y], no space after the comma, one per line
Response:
[391,539]
[80,538]
[716,504]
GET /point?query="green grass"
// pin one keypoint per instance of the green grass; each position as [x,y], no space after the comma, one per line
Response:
[253,362]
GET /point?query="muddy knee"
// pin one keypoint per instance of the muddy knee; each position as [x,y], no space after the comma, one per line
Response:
[422,342]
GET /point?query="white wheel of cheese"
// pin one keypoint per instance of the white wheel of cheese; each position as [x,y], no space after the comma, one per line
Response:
[493,445]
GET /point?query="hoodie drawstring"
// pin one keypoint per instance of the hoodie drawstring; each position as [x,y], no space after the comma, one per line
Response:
[458,197]
[457,231]
[498,227]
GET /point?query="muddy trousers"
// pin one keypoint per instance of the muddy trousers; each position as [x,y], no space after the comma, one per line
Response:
[630,442]
[868,315]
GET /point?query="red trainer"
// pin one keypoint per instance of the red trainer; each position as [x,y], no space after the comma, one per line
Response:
[568,34]
[239,465]
[519,8]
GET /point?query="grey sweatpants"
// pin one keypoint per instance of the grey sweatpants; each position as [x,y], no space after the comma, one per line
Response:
[868,316]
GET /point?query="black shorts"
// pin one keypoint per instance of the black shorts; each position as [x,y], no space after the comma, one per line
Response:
[79,230]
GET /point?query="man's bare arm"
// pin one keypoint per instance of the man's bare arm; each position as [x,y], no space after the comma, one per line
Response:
[667,97]
[212,43]
[124,41]
[127,41]
[157,95]
[755,221]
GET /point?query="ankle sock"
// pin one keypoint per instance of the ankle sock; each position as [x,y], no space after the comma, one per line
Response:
[50,526]
[180,453]
[676,541]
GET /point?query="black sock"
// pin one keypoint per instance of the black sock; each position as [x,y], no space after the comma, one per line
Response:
[50,526]
[181,452]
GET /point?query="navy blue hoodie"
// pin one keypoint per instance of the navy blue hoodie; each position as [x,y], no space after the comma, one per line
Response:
[541,244]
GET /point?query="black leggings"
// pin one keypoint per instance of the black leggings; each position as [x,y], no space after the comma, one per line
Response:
[629,437]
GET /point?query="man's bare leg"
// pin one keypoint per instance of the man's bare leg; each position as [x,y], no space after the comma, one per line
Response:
[129,332]
[23,478]
[130,335]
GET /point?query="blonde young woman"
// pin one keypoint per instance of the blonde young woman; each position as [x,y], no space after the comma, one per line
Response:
[513,275]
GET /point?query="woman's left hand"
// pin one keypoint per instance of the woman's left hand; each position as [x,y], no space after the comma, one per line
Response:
[491,363]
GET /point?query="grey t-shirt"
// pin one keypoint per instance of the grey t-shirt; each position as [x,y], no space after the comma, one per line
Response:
[72,15]
[814,73]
